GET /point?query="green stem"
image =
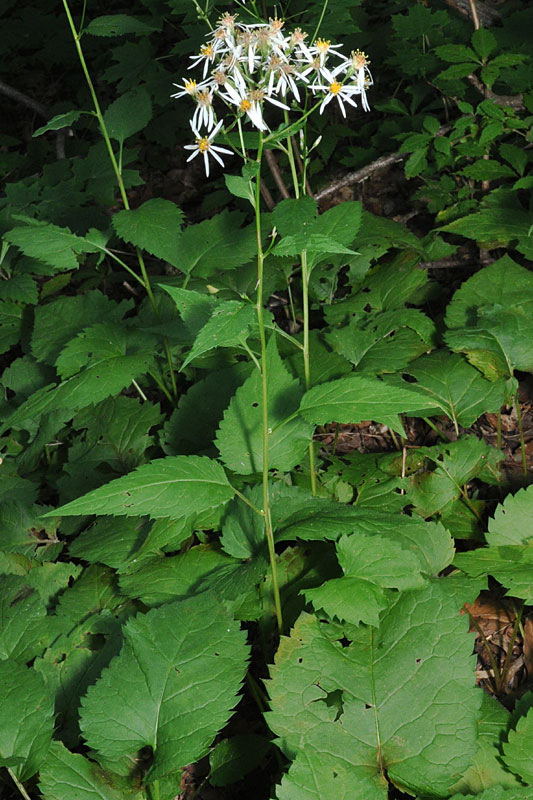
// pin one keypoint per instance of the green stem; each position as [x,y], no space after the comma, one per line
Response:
[440,434]
[244,499]
[118,175]
[319,23]
[521,431]
[307,361]
[264,393]
[19,785]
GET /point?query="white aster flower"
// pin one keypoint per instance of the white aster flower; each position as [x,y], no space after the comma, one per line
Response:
[282,77]
[207,55]
[343,93]
[205,146]
[204,114]
[188,87]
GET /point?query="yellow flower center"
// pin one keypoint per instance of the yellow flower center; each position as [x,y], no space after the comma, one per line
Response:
[203,144]
[245,105]
[190,86]
[359,59]
[322,45]
[203,99]
[335,87]
[206,50]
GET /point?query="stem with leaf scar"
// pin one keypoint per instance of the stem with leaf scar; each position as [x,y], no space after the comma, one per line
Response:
[264,392]
[118,174]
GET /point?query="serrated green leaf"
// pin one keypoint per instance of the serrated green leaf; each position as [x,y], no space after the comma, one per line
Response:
[195,308]
[458,389]
[10,324]
[110,540]
[95,383]
[290,216]
[239,187]
[517,751]
[497,793]
[129,114]
[349,599]
[192,426]
[155,227]
[511,565]
[68,776]
[165,579]
[232,759]
[513,519]
[23,622]
[217,243]
[63,120]
[26,717]
[487,170]
[381,342]
[176,486]
[313,242]
[484,42]
[91,346]
[56,246]
[228,326]
[456,53]
[495,226]
[389,704]
[118,25]
[358,398]
[240,434]
[175,703]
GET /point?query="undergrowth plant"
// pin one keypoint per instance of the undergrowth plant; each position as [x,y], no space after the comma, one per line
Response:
[188,576]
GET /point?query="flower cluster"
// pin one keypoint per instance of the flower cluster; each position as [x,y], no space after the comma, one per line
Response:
[248,66]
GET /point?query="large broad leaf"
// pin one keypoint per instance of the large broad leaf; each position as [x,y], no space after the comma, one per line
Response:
[358,398]
[56,246]
[66,776]
[498,793]
[504,282]
[172,688]
[513,519]
[93,345]
[293,216]
[240,434]
[396,703]
[518,752]
[511,565]
[155,227]
[167,487]
[26,717]
[460,391]
[95,383]
[487,768]
[229,326]
[195,308]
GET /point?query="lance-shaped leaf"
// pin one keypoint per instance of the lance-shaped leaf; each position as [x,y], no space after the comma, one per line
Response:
[399,702]
[67,776]
[166,487]
[228,326]
[118,25]
[129,114]
[172,688]
[357,398]
[155,227]
[91,385]
[26,717]
[56,246]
